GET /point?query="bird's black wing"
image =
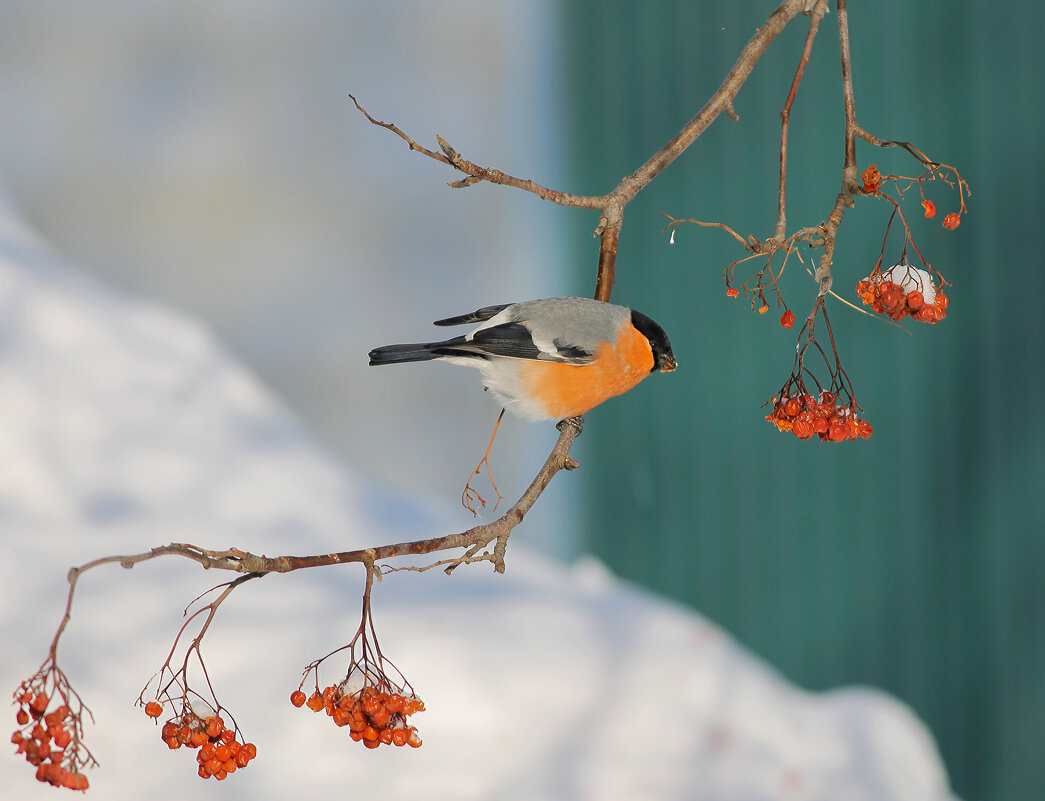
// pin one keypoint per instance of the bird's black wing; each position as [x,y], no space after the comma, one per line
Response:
[478,316]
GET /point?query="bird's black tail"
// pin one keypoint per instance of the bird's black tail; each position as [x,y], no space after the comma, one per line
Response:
[422,352]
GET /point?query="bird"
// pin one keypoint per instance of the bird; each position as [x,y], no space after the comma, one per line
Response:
[550,359]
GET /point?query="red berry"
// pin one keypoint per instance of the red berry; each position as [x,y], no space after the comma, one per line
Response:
[297,698]
[802,428]
[315,702]
[788,319]
[153,709]
[39,703]
[839,431]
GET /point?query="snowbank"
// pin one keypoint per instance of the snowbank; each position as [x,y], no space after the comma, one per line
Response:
[124,425]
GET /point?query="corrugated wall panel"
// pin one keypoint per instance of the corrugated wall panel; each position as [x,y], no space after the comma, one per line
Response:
[913,561]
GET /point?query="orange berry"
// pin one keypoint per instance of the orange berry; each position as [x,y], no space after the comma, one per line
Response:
[198,738]
[62,738]
[792,406]
[926,314]
[802,428]
[173,743]
[399,737]
[414,740]
[342,717]
[369,733]
[213,765]
[39,703]
[380,718]
[838,431]
[941,300]
[242,758]
[915,300]
[221,753]
[315,702]
[395,703]
[355,736]
[22,717]
[763,309]
[251,749]
[203,773]
[732,292]
[371,743]
[153,709]
[371,705]
[865,429]
[230,765]
[952,221]
[890,299]
[220,775]
[297,698]
[413,704]
[930,208]
[788,319]
[872,178]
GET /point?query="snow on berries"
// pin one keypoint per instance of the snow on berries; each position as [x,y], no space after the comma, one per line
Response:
[803,415]
[903,291]
[375,712]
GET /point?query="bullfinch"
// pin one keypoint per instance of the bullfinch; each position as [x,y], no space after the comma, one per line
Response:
[550,359]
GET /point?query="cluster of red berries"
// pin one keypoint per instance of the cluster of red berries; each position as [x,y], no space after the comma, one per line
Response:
[373,717]
[44,737]
[904,291]
[803,416]
[219,752]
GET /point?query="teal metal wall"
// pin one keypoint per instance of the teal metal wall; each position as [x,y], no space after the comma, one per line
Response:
[913,561]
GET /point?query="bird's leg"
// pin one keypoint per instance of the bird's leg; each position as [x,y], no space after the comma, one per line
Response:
[577,422]
[470,496]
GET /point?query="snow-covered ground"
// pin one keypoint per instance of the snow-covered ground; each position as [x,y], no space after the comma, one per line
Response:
[125,425]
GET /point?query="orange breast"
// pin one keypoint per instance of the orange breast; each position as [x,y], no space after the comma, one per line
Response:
[568,390]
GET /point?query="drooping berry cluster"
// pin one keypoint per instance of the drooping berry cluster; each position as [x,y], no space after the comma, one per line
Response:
[805,416]
[50,741]
[219,752]
[373,716]
[903,291]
